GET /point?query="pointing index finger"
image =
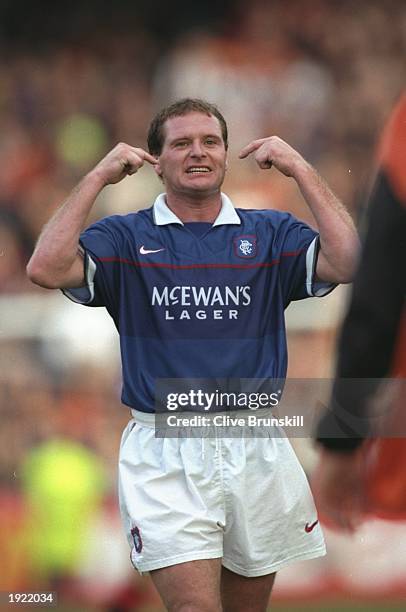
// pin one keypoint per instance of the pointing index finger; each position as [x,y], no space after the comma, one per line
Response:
[249,148]
[150,158]
[144,155]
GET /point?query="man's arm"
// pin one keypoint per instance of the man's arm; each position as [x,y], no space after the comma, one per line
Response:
[339,242]
[57,261]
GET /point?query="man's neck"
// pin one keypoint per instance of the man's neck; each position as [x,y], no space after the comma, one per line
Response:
[205,209]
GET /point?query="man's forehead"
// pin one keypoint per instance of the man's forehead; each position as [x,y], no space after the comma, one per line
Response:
[198,122]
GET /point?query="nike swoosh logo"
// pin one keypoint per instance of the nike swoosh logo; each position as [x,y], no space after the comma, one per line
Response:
[145,251]
[309,528]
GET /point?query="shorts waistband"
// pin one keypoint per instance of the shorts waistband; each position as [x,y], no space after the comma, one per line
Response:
[143,418]
[148,418]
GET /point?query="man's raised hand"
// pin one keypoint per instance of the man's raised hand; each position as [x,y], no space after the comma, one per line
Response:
[122,161]
[273,151]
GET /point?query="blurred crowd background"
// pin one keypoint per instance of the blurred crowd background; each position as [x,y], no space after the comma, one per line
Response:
[77,78]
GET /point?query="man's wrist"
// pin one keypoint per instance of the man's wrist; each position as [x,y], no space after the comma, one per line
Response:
[96,179]
[303,171]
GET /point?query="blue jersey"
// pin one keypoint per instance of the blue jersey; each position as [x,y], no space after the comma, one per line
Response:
[207,305]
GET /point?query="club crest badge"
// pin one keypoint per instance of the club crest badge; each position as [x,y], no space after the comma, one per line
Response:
[245,246]
[135,532]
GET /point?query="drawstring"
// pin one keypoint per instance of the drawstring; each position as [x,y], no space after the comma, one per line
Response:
[203,448]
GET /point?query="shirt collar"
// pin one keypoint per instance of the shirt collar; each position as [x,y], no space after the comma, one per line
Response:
[164,216]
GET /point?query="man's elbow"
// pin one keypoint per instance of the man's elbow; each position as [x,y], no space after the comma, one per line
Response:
[343,278]
[345,273]
[348,268]
[40,276]
[340,266]
[340,273]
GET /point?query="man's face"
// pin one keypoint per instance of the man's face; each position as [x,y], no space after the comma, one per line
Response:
[193,157]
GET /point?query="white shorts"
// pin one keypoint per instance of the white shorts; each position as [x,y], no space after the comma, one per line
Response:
[246,500]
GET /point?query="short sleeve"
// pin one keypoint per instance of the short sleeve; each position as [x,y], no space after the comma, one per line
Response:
[99,246]
[299,248]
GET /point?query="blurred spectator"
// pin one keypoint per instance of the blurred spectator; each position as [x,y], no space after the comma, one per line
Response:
[63,485]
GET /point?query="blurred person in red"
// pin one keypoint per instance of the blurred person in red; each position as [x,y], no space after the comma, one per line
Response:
[363,472]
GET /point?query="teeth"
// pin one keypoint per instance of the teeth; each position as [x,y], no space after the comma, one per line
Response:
[197,170]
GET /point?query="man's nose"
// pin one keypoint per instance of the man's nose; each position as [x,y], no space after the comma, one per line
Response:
[197,150]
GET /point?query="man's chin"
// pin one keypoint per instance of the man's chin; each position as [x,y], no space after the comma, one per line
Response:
[204,183]
[200,189]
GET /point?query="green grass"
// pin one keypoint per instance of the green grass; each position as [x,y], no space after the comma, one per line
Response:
[342,606]
[321,606]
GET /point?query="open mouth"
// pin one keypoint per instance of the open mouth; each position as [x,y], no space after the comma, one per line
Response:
[198,170]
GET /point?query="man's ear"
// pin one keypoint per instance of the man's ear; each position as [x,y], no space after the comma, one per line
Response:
[158,170]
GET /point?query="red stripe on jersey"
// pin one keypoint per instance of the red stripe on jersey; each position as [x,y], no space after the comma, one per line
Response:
[146,264]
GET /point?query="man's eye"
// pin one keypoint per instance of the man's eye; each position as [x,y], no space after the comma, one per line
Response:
[180,144]
[210,141]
